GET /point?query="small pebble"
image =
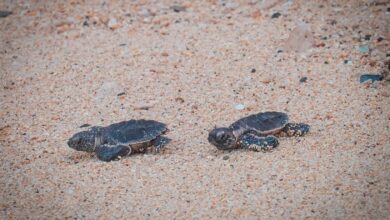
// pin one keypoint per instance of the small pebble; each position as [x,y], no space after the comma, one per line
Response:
[121,94]
[179,99]
[364,49]
[240,107]
[226,157]
[147,20]
[372,77]
[276,15]
[146,108]
[4,14]
[85,125]
[303,79]
[112,23]
[347,61]
[367,37]
[253,70]
[178,8]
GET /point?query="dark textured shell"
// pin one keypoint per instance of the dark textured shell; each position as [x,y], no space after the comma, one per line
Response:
[263,123]
[135,131]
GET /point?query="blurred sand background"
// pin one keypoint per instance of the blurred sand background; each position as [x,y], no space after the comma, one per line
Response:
[194,65]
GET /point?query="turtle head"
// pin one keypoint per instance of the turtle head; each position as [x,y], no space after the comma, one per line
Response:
[222,138]
[84,141]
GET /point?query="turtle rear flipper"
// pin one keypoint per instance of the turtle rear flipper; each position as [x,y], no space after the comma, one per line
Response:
[112,152]
[295,129]
[258,143]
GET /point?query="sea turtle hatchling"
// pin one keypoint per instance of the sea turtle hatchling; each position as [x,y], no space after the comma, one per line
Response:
[120,139]
[256,132]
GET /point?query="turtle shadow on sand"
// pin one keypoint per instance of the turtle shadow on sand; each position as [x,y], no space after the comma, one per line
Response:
[77,157]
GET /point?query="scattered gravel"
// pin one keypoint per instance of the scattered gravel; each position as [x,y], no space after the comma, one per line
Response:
[4,14]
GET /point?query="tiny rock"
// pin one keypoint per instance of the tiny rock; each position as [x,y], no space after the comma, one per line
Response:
[348,62]
[63,27]
[276,15]
[4,14]
[85,125]
[178,8]
[372,77]
[240,106]
[266,80]
[179,99]
[113,24]
[364,49]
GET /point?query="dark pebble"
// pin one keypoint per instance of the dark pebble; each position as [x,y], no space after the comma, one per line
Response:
[85,24]
[4,14]
[279,51]
[326,62]
[178,8]
[367,37]
[388,9]
[226,157]
[253,70]
[85,125]
[303,79]
[380,39]
[122,93]
[372,77]
[276,15]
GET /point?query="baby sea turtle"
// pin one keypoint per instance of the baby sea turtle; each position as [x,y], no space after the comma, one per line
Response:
[120,139]
[256,132]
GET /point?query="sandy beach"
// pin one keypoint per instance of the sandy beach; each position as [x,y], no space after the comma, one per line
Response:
[194,65]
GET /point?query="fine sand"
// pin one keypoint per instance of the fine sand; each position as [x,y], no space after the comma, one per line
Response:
[194,66]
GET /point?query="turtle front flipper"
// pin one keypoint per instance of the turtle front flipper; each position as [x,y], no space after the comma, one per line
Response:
[257,143]
[112,152]
[159,143]
[295,129]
